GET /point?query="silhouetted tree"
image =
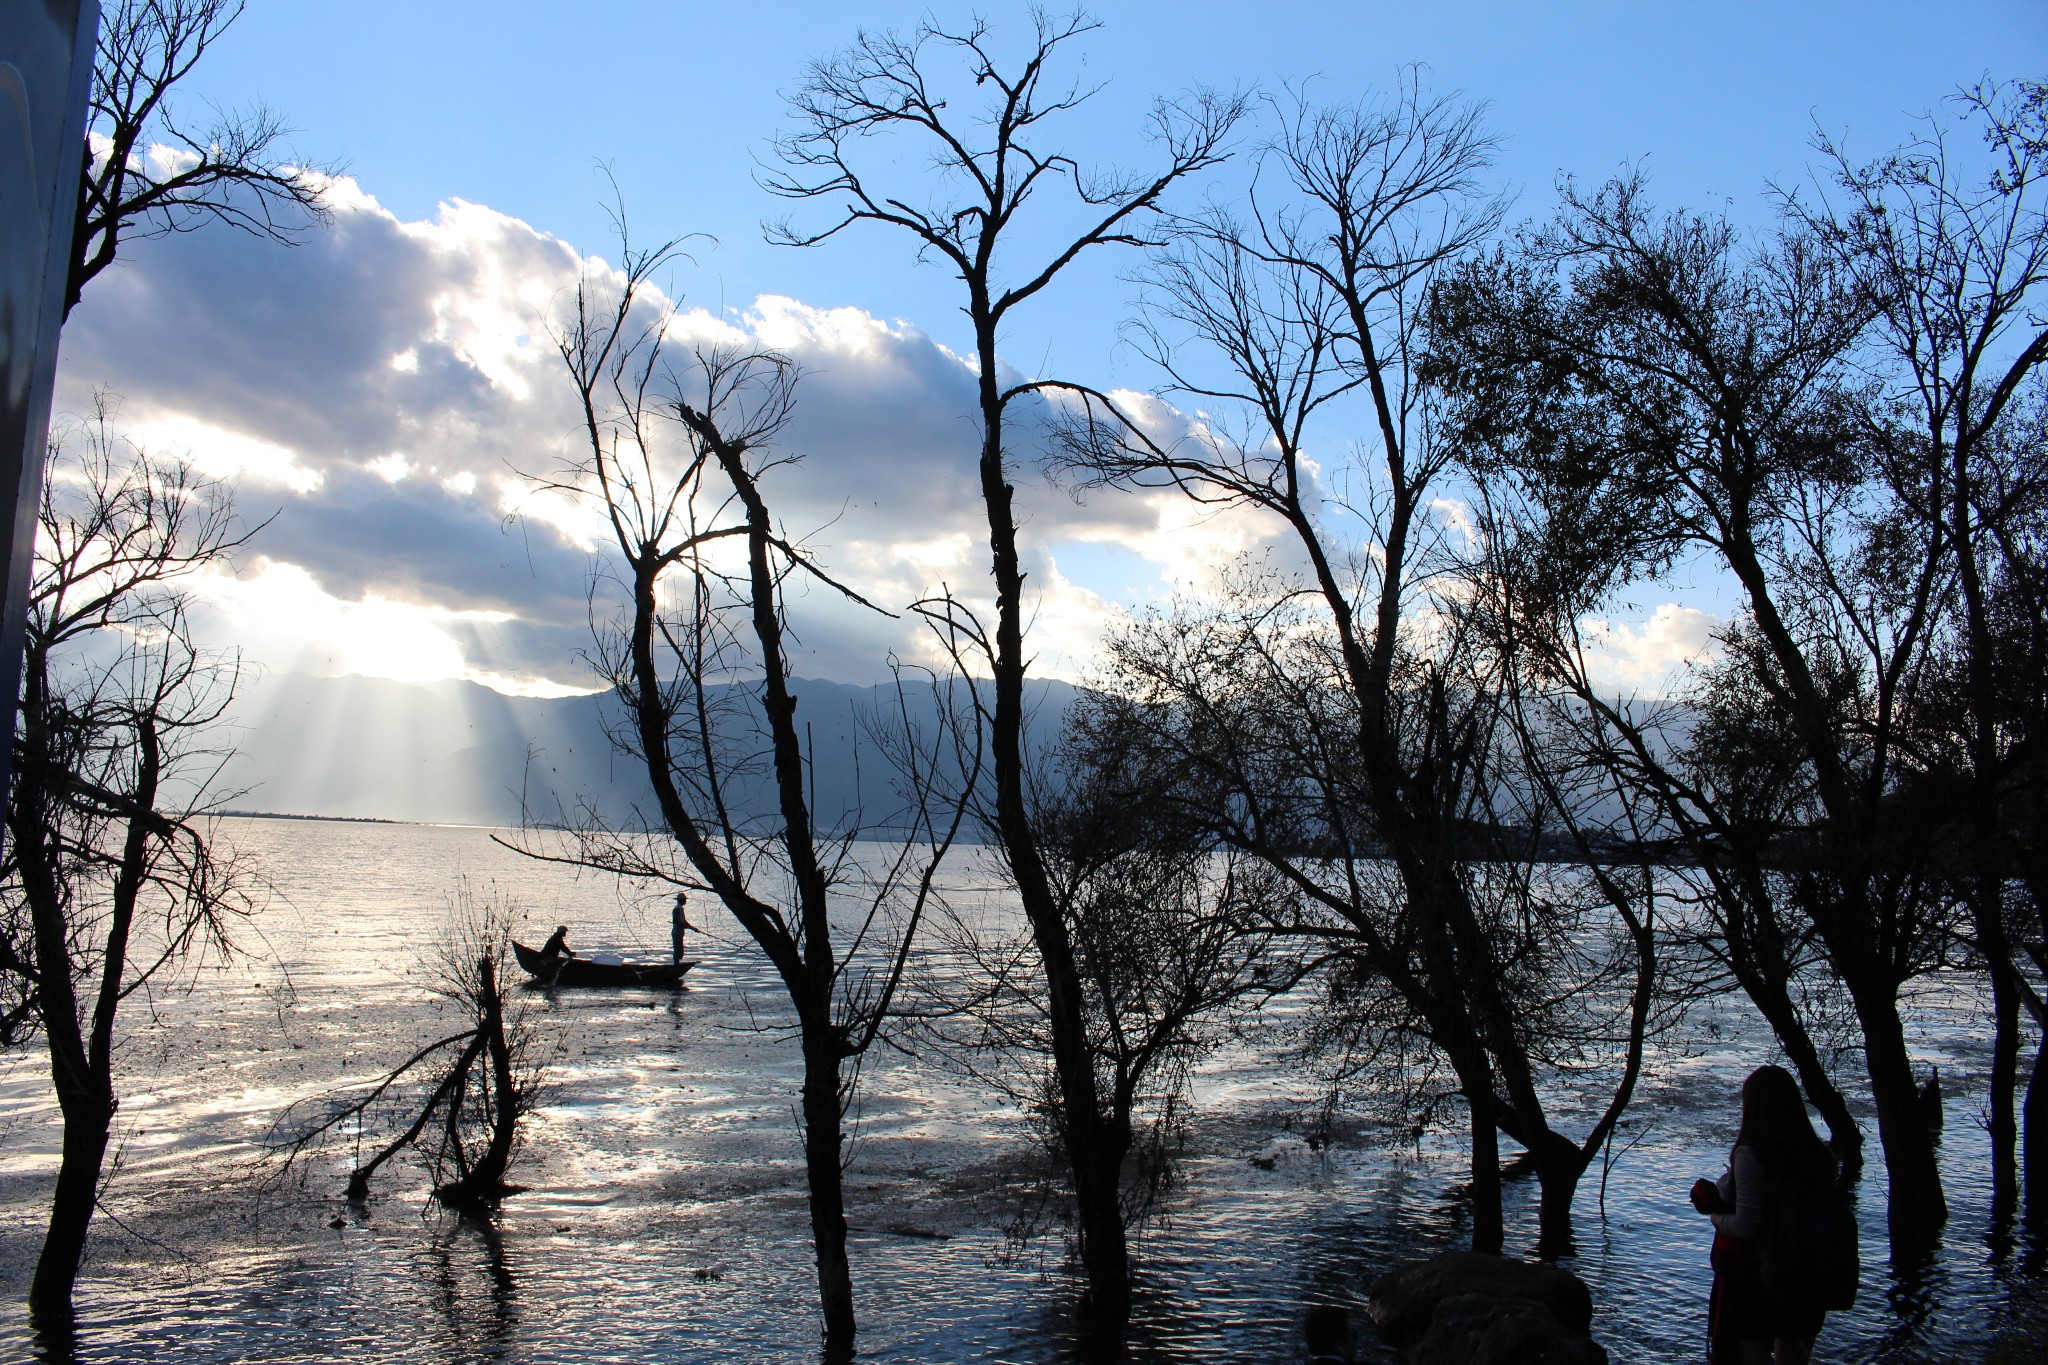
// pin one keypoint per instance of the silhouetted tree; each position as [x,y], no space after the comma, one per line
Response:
[1953,246]
[1534,961]
[677,453]
[1651,363]
[1167,931]
[1707,780]
[110,879]
[975,121]
[485,1078]
[147,171]
[1358,732]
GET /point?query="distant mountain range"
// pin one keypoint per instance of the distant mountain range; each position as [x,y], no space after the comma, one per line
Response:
[460,753]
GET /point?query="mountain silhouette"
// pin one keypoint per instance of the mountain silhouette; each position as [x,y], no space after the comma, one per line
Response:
[460,753]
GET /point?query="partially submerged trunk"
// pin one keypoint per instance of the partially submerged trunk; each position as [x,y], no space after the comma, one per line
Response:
[1098,1164]
[480,1188]
[1488,1227]
[1086,1130]
[824,1169]
[2034,1138]
[1914,1201]
[88,1120]
[81,1058]
[2004,1084]
[1557,1178]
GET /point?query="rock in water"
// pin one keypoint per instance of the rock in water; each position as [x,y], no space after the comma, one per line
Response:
[1507,1312]
[1479,1329]
[1404,1298]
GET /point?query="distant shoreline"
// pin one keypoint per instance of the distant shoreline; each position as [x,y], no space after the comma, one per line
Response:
[338,819]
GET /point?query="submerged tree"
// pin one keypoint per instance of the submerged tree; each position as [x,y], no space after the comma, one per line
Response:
[994,188]
[1703,783]
[147,171]
[110,880]
[1356,729]
[1167,932]
[1650,364]
[1953,247]
[677,456]
[466,1119]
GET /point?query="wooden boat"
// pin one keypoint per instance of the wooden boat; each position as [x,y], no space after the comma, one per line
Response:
[581,971]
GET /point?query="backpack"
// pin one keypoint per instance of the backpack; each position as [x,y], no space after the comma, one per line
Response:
[1809,1244]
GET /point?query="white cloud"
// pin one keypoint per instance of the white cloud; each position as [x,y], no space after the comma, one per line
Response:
[221,453]
[1455,516]
[391,388]
[1651,654]
[391,468]
[398,381]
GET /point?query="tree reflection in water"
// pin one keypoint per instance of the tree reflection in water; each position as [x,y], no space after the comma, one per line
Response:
[475,1289]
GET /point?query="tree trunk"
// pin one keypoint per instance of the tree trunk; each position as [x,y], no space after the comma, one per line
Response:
[822,1150]
[483,1188]
[1488,1227]
[2005,1066]
[1099,1215]
[1557,1181]
[2034,1152]
[88,1120]
[1914,1201]
[1775,1004]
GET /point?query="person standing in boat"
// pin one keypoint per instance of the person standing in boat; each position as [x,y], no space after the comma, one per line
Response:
[678,922]
[1777,1154]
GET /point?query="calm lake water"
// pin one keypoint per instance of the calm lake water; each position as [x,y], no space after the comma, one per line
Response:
[666,1222]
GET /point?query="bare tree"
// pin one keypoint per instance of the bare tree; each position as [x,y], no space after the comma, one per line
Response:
[110,878]
[1366,718]
[1166,929]
[147,171]
[485,1080]
[677,456]
[1534,960]
[978,121]
[1955,248]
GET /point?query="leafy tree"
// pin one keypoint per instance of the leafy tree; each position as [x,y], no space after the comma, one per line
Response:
[1953,247]
[1698,395]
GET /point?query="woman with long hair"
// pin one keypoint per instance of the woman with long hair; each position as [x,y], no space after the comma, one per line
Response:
[1776,1149]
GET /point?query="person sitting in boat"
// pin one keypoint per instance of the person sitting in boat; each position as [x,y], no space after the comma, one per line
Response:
[557,947]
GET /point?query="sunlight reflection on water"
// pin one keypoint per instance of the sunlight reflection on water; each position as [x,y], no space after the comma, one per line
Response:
[666,1218]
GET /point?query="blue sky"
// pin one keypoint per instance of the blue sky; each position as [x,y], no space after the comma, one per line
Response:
[512,103]
[380,384]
